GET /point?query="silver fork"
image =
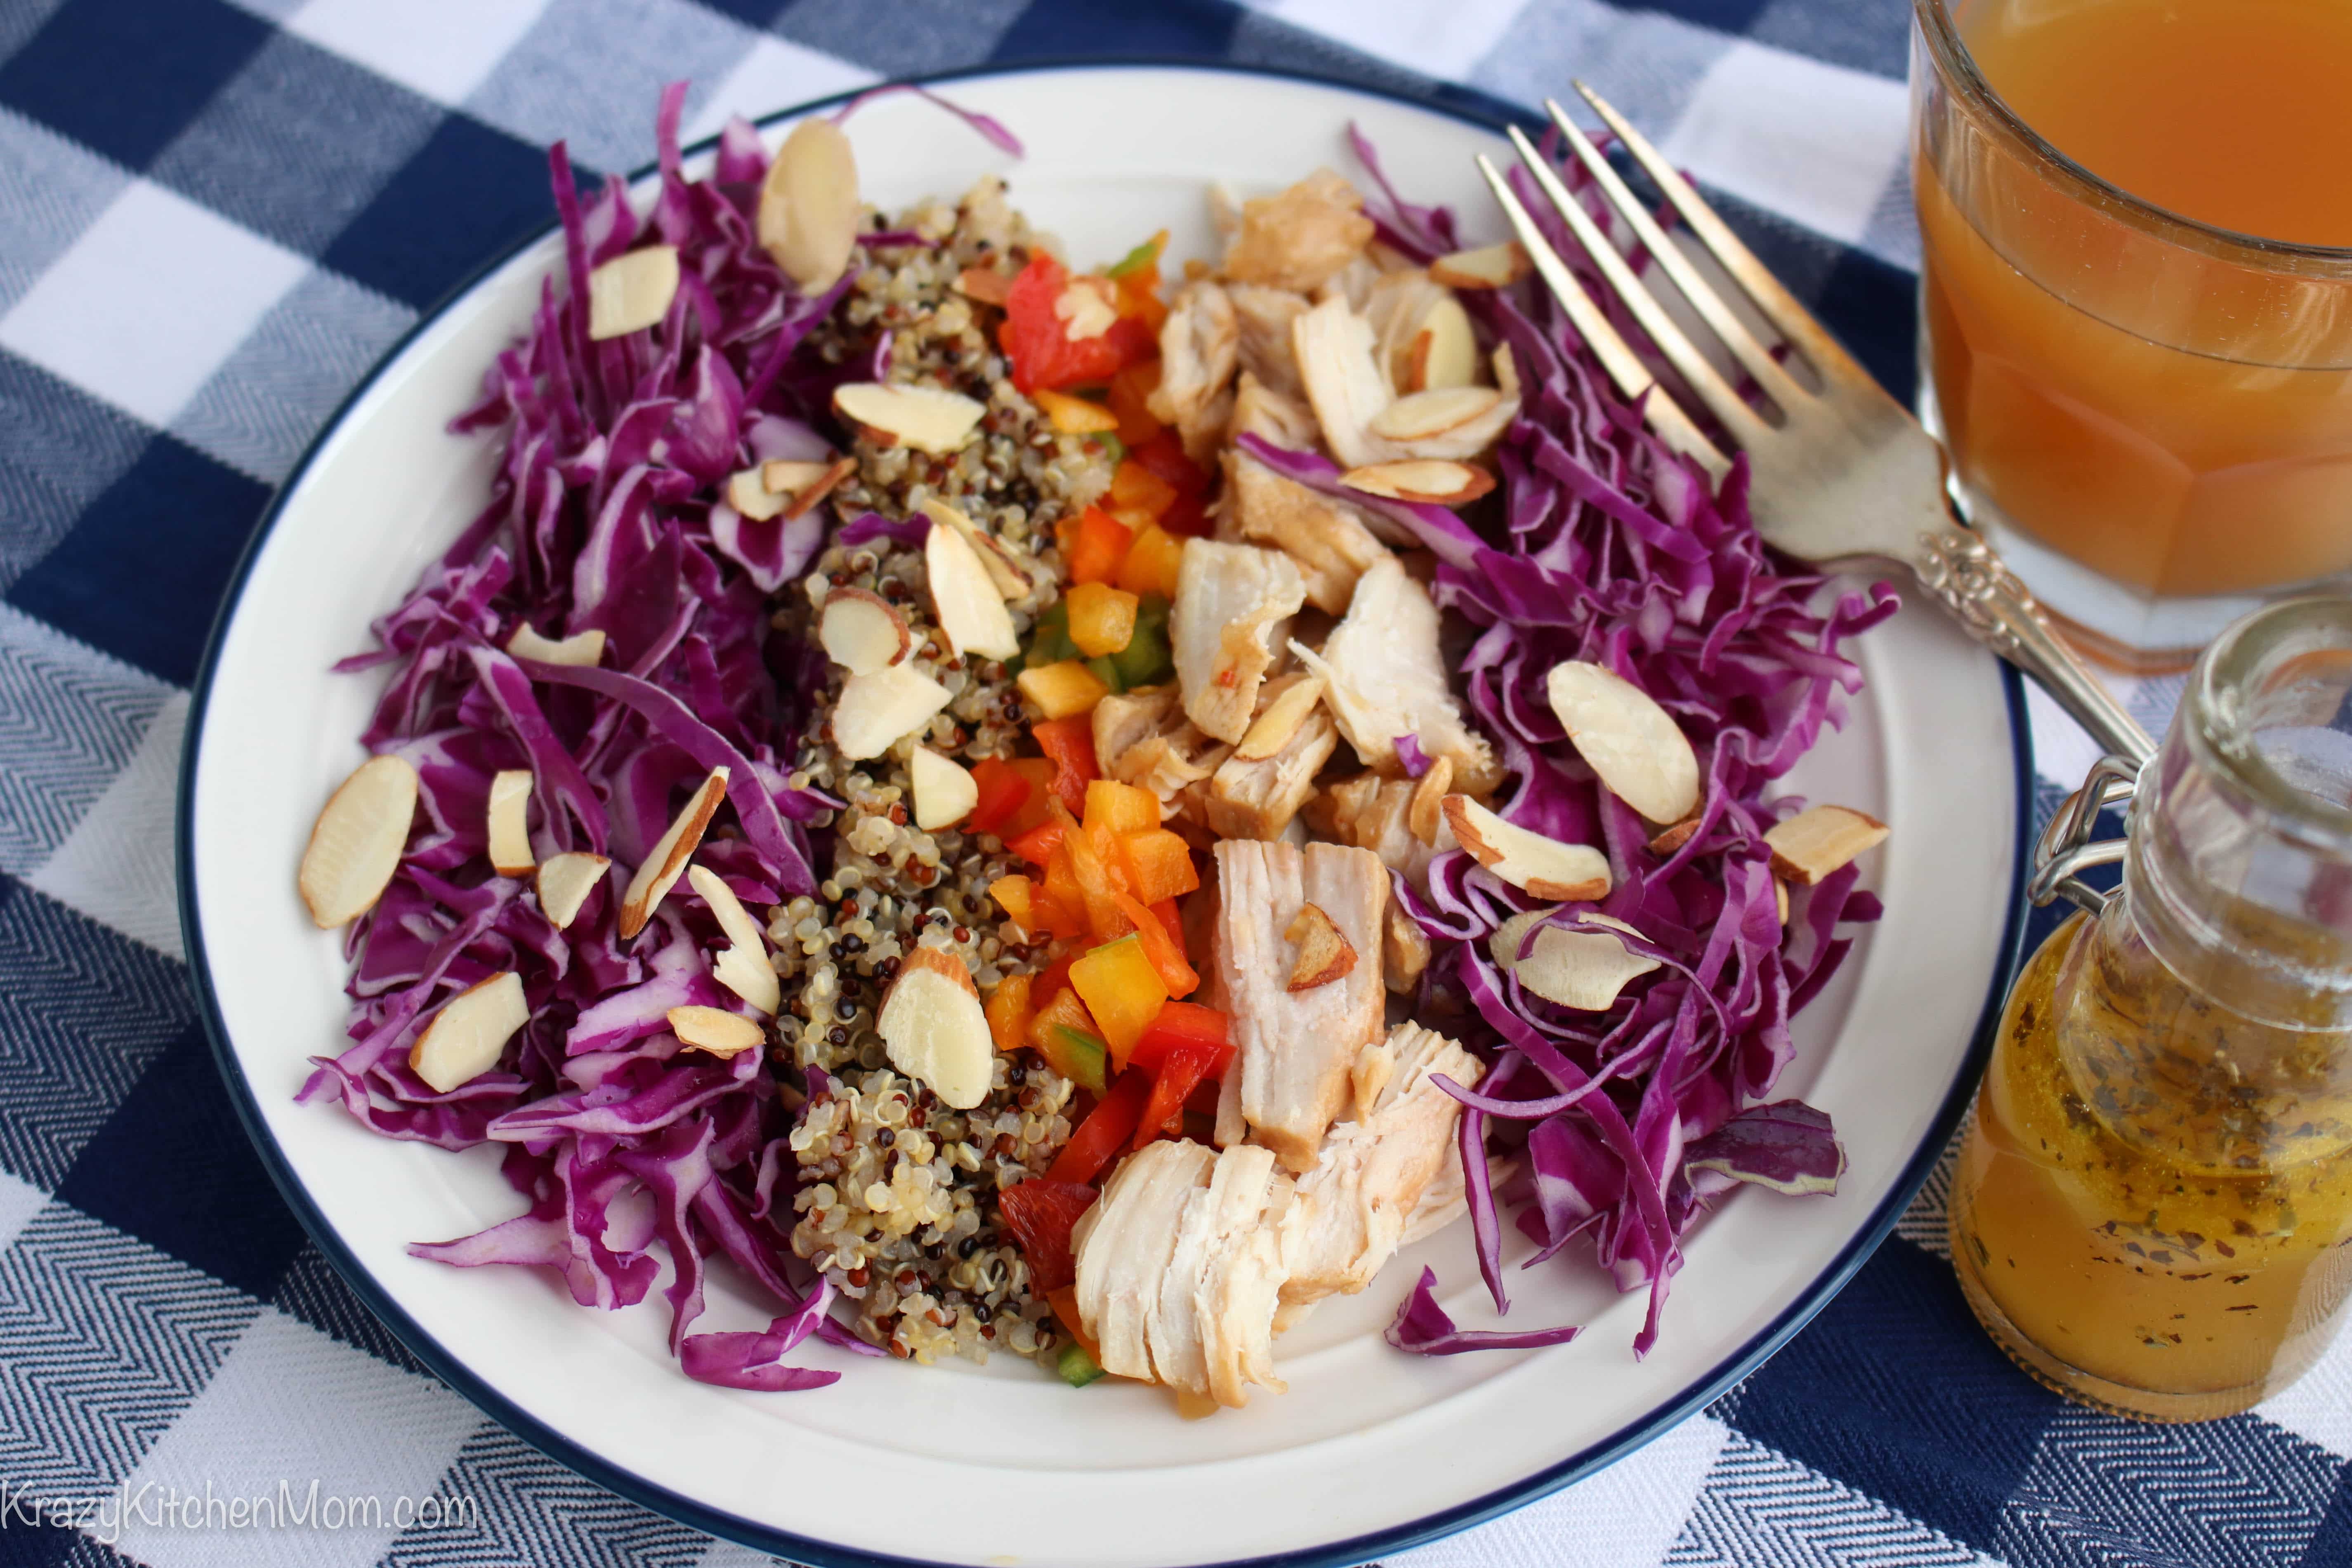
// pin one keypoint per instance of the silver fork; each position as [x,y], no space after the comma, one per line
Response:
[1847,477]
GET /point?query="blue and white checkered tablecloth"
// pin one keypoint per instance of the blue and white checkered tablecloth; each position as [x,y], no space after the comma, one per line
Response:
[214,217]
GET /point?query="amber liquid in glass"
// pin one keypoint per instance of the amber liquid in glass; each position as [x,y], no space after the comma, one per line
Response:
[2178,422]
[2154,1200]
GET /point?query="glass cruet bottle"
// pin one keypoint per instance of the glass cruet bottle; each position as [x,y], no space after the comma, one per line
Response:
[2153,1202]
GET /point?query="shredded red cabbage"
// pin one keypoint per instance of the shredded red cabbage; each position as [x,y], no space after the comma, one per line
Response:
[1612,549]
[1423,1327]
[603,517]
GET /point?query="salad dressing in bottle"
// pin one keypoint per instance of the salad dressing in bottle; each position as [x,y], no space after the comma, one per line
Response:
[2152,1208]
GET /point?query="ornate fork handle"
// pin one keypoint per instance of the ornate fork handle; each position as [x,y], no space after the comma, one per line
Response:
[1973,582]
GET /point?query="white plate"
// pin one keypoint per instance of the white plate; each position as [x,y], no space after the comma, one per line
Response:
[1371,1449]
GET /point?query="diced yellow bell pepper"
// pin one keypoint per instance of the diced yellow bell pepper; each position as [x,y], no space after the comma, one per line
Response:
[1074,416]
[1122,991]
[1063,1033]
[1151,562]
[1008,1012]
[1121,807]
[1102,618]
[1063,691]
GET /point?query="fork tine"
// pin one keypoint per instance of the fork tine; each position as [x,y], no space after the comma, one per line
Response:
[1744,425]
[1663,414]
[1776,305]
[1753,357]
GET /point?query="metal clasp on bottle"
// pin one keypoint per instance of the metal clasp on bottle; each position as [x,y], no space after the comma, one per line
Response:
[2066,848]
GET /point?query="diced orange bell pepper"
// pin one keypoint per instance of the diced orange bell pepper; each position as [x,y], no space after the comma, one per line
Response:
[1099,887]
[1038,845]
[1063,691]
[1136,488]
[1008,1012]
[1041,1215]
[1069,744]
[1098,547]
[1002,792]
[1065,1302]
[1074,416]
[1171,917]
[1037,806]
[1016,895]
[1121,808]
[1152,562]
[1130,395]
[1066,1036]
[1177,975]
[1102,618]
[1181,1025]
[1122,989]
[1159,864]
[1104,1131]
[1184,1069]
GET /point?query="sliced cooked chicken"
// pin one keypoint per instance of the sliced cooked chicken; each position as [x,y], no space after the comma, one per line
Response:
[1300,237]
[1376,814]
[1388,678]
[1123,1244]
[1264,316]
[1348,389]
[1353,283]
[1142,737]
[1327,538]
[1212,1331]
[1233,604]
[1297,1047]
[1257,799]
[1351,1212]
[1199,347]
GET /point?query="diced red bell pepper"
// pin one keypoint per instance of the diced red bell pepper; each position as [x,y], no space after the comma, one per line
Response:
[1037,341]
[1038,845]
[1041,1215]
[1173,917]
[1130,394]
[1104,1131]
[1134,338]
[1002,792]
[1070,743]
[1054,977]
[1165,950]
[1184,1025]
[1098,547]
[1187,517]
[1164,456]
[1183,1070]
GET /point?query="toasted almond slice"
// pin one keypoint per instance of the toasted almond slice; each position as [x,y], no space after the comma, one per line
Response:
[1507,370]
[583,650]
[1426,809]
[743,966]
[1675,838]
[355,844]
[1085,309]
[1325,953]
[667,860]
[1819,839]
[964,599]
[1011,581]
[564,883]
[789,476]
[861,631]
[509,816]
[807,217]
[878,709]
[928,418]
[748,493]
[1524,858]
[944,792]
[1404,949]
[726,908]
[1489,267]
[1581,969]
[1444,350]
[1279,720]
[1418,415]
[468,1035]
[1430,479]
[1780,898]
[1074,416]
[985,284]
[824,485]
[934,1029]
[631,292]
[715,1030]
[1641,754]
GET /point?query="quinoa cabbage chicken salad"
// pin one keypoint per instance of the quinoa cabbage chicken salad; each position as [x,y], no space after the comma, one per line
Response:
[1075,813]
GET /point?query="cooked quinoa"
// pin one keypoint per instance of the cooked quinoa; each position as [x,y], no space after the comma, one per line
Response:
[897,1197]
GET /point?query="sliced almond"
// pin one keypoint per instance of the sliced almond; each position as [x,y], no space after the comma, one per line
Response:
[1675,838]
[862,631]
[1428,480]
[1418,415]
[1279,720]
[1489,267]
[807,217]
[1524,858]
[1581,969]
[631,292]
[469,1033]
[1074,416]
[748,493]
[945,792]
[743,967]
[1011,581]
[1640,752]
[984,284]
[355,844]
[1425,812]
[583,650]
[970,610]
[1780,898]
[1444,350]
[878,709]
[564,883]
[789,476]
[1325,953]
[1819,839]
[1085,309]
[715,1030]
[509,816]
[928,418]
[824,485]
[934,1029]
[667,862]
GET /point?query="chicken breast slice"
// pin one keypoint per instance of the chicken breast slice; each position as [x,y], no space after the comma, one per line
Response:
[1199,348]
[1346,387]
[1387,675]
[1142,737]
[1351,1212]
[1297,240]
[1376,814]
[1123,1245]
[1297,1047]
[1212,1331]
[1231,618]
[1262,318]
[1327,539]
[1257,799]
